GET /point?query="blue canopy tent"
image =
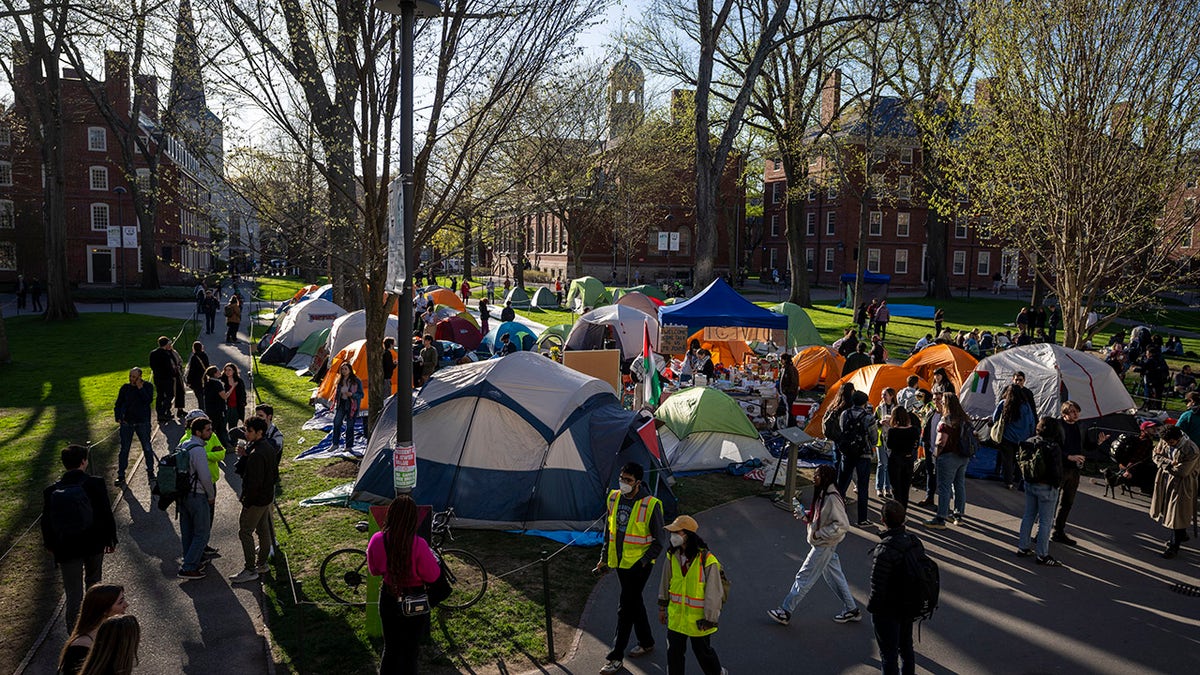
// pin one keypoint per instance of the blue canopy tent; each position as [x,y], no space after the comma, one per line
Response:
[719,306]
[874,286]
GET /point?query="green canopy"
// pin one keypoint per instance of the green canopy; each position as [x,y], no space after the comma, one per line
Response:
[704,409]
[543,298]
[313,342]
[554,335]
[518,297]
[801,331]
[650,290]
[587,292]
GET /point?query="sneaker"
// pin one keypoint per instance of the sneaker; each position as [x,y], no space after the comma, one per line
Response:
[209,555]
[849,617]
[263,568]
[954,519]
[243,577]
[780,616]
[935,523]
[212,550]
[1048,561]
[1024,552]
[613,666]
[640,651]
[925,502]
[864,523]
[190,574]
[1062,538]
[119,482]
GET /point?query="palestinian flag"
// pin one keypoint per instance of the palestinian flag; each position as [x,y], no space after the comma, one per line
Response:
[978,382]
[650,378]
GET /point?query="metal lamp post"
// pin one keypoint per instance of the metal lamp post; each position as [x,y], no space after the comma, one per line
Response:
[408,10]
[120,192]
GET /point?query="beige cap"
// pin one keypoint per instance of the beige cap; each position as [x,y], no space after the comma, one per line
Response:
[683,523]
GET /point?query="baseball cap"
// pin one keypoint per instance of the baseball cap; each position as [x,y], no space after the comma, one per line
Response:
[1148,424]
[683,523]
[194,415]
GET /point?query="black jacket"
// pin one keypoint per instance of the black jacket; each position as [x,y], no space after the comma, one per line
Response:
[133,404]
[258,470]
[214,405]
[197,364]
[507,314]
[163,365]
[888,570]
[101,534]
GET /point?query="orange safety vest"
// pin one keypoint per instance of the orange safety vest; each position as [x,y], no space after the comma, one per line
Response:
[637,531]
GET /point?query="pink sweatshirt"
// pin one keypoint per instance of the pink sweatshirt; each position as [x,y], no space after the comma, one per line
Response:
[424,568]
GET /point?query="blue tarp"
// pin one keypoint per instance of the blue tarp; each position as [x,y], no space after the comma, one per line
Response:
[911,311]
[868,278]
[720,305]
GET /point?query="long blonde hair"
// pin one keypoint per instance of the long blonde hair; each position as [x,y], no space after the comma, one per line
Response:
[116,646]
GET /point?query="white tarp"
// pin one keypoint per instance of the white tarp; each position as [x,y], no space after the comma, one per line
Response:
[1054,374]
[353,327]
[306,318]
[705,450]
[627,326]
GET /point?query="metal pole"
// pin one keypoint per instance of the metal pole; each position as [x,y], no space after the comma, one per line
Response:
[546,606]
[121,253]
[404,374]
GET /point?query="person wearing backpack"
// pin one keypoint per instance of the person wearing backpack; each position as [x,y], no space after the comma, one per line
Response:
[893,590]
[950,461]
[690,597]
[195,502]
[858,434]
[1041,460]
[1016,417]
[78,527]
[831,421]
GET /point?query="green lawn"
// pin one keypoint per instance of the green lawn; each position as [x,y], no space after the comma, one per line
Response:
[278,289]
[59,389]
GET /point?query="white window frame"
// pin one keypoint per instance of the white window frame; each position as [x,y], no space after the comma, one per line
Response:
[8,215]
[903,223]
[961,228]
[811,225]
[829,259]
[831,192]
[901,264]
[983,264]
[812,191]
[97,208]
[831,224]
[810,258]
[904,187]
[959,266]
[906,155]
[875,224]
[95,172]
[874,256]
[776,193]
[143,179]
[774,224]
[97,139]
[11,246]
[773,258]
[6,174]
[778,164]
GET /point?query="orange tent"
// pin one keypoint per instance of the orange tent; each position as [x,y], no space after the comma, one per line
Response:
[304,290]
[871,379]
[959,363]
[446,297]
[356,355]
[723,353]
[818,366]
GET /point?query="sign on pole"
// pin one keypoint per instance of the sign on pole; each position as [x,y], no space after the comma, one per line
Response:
[664,241]
[397,269]
[674,241]
[115,234]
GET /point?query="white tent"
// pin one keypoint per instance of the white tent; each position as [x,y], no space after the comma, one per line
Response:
[627,327]
[353,327]
[1054,374]
[706,450]
[306,318]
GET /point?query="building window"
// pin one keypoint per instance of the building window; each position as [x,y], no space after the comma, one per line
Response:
[829,259]
[776,193]
[5,135]
[8,256]
[773,258]
[143,180]
[875,186]
[876,224]
[811,228]
[983,266]
[905,187]
[774,224]
[831,192]
[902,223]
[6,173]
[810,255]
[97,139]
[878,154]
[1189,208]
[960,263]
[98,178]
[901,261]
[906,155]
[777,164]
[100,217]
[812,191]
[873,260]
[7,220]
[960,228]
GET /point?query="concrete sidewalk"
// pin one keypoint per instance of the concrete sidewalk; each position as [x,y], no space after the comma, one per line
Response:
[1111,610]
[205,626]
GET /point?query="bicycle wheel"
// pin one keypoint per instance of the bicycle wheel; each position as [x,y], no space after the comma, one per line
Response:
[467,578]
[344,576]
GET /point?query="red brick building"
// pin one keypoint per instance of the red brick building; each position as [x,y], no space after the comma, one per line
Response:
[896,243]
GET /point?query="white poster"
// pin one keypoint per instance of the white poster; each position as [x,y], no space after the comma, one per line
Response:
[664,239]
[397,269]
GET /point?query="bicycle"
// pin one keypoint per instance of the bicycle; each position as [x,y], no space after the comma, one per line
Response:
[344,575]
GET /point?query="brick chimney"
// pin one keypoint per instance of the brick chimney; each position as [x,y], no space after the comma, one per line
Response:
[116,80]
[831,97]
[147,87]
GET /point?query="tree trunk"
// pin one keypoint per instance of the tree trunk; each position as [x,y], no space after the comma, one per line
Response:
[797,235]
[938,283]
[467,252]
[860,258]
[58,282]
[377,312]
[706,223]
[148,241]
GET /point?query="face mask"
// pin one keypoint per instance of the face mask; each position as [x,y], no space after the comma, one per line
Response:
[626,488]
[676,540]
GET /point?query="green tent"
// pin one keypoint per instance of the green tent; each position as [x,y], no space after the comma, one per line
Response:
[704,409]
[587,292]
[650,290]
[801,331]
[543,298]
[518,297]
[554,336]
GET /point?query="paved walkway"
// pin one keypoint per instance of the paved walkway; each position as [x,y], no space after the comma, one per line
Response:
[206,626]
[1111,610]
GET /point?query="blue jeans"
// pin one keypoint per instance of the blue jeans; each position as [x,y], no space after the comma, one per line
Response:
[341,415]
[822,561]
[882,480]
[195,525]
[1040,502]
[894,637]
[951,474]
[142,429]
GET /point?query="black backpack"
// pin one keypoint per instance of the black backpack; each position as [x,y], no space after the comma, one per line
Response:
[853,443]
[1033,456]
[70,511]
[831,426]
[921,583]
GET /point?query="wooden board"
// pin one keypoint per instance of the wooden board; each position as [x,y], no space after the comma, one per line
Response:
[604,364]
[672,339]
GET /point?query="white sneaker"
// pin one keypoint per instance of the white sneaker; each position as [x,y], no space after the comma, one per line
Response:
[611,667]
[243,577]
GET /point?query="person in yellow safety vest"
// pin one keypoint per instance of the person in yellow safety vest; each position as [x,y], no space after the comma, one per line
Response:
[632,541]
[689,598]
